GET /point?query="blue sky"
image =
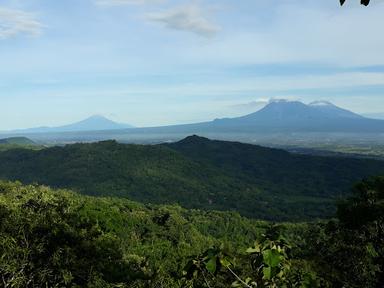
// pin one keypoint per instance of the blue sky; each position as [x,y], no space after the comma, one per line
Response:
[159,62]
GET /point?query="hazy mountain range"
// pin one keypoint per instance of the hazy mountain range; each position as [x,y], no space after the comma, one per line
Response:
[281,117]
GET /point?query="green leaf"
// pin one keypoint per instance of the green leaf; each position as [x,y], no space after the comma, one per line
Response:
[252,250]
[272,258]
[255,249]
[372,251]
[211,265]
[225,262]
[267,272]
[248,280]
[237,284]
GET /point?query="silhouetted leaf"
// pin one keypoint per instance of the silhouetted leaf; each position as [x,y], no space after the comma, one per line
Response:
[363,2]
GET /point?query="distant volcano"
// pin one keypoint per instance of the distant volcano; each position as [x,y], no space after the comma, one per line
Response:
[295,116]
[93,123]
[283,116]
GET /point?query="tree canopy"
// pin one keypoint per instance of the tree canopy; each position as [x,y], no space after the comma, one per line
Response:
[258,182]
[56,238]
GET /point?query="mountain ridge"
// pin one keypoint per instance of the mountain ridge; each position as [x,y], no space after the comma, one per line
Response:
[283,117]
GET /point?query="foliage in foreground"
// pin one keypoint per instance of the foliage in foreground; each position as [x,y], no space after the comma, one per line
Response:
[45,240]
[61,239]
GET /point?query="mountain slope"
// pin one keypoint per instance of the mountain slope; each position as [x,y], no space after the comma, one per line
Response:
[278,171]
[333,111]
[197,173]
[145,173]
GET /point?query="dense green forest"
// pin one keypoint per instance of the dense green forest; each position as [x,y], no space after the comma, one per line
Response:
[57,238]
[257,182]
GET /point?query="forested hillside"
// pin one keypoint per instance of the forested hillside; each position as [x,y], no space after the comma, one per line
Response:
[197,173]
[277,171]
[62,239]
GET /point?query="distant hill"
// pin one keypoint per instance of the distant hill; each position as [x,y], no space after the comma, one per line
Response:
[93,123]
[17,141]
[197,173]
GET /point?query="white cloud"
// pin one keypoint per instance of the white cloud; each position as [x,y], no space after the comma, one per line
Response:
[190,18]
[297,32]
[14,22]
[127,2]
[253,105]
